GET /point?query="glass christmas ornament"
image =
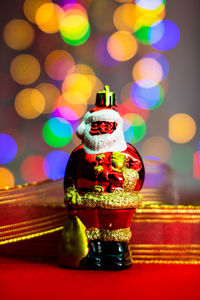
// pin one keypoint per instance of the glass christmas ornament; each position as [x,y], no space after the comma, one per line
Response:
[102,184]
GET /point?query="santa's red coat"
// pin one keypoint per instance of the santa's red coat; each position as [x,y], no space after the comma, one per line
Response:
[81,175]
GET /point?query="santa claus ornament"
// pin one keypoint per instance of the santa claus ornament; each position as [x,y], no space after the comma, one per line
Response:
[102,186]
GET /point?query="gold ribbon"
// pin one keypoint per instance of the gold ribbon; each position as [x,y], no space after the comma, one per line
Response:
[166,262]
[30,236]
[165,253]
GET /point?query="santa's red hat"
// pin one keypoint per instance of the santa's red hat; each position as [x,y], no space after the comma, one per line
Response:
[103,111]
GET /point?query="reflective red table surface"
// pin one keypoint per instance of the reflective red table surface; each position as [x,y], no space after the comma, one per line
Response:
[26,279]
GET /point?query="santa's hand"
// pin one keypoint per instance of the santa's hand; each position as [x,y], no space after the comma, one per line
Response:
[71,197]
[118,161]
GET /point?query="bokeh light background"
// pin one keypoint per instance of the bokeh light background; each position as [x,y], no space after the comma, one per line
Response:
[55,56]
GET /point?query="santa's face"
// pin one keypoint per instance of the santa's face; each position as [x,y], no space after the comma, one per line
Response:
[102,127]
[102,131]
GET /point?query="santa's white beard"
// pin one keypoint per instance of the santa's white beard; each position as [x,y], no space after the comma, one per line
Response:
[104,142]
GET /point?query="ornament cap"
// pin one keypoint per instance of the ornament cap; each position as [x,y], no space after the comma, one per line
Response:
[105,98]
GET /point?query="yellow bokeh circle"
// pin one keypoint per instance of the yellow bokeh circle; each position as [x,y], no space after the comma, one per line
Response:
[50,94]
[58,64]
[74,97]
[18,34]
[7,178]
[29,103]
[79,83]
[86,71]
[49,17]
[96,83]
[182,128]
[124,17]
[25,69]
[31,6]
[122,45]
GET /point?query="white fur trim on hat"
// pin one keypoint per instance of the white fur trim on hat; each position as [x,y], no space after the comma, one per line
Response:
[109,115]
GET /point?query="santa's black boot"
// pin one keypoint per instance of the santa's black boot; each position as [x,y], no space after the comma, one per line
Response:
[116,255]
[93,261]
